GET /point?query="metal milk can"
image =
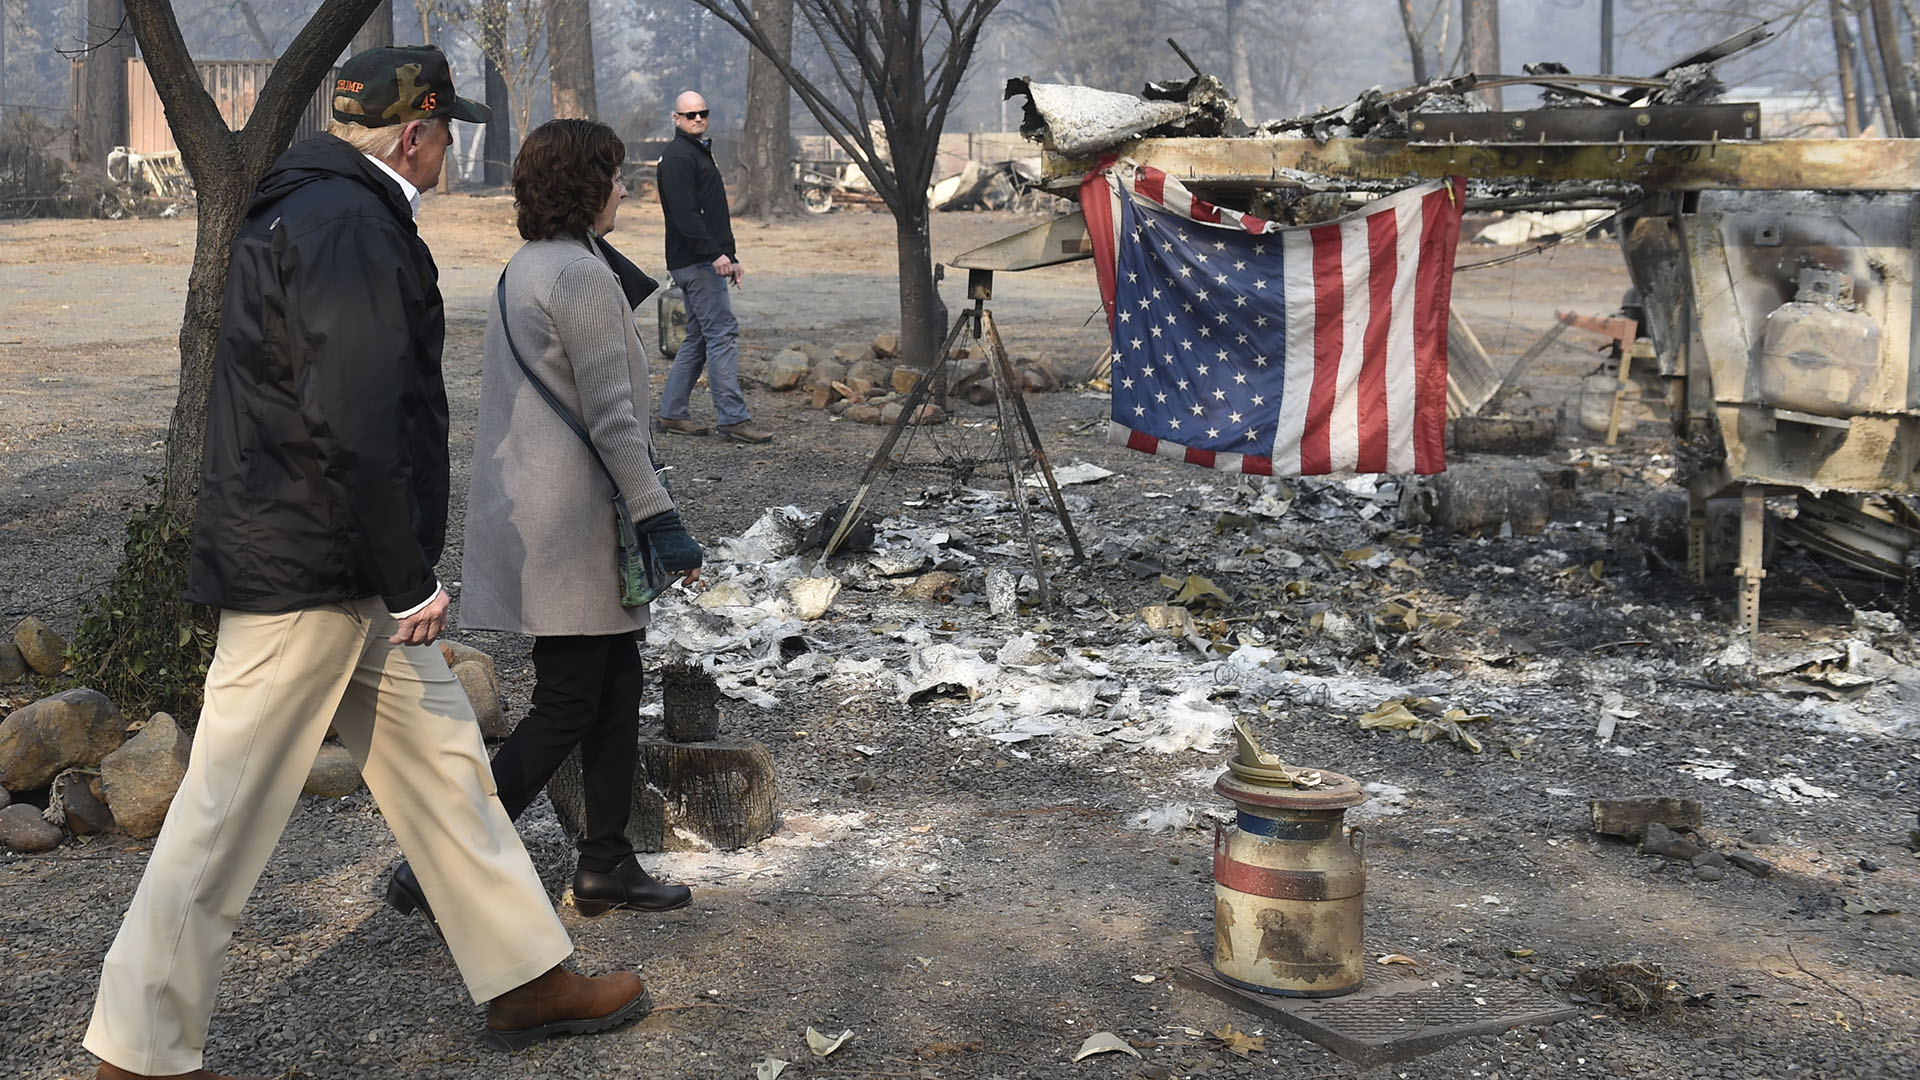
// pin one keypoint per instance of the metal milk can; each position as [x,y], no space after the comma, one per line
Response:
[1289,881]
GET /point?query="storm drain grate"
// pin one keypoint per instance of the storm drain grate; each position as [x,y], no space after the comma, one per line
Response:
[1394,1019]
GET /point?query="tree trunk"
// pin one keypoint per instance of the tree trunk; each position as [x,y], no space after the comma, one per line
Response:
[1239,61]
[109,45]
[1480,42]
[498,168]
[1416,50]
[722,795]
[914,245]
[570,58]
[1886,34]
[1843,52]
[766,149]
[377,31]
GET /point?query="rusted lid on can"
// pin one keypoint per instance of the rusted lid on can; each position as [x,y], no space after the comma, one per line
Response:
[1335,792]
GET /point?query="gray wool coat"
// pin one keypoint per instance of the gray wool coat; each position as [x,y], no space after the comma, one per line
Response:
[541,555]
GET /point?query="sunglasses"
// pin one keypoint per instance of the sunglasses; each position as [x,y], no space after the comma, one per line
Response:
[697,114]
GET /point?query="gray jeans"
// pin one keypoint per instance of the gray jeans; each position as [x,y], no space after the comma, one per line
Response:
[713,343]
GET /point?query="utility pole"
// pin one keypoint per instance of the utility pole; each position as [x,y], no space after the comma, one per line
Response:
[1606,37]
[1480,39]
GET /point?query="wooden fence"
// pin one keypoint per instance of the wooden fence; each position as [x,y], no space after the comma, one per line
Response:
[234,84]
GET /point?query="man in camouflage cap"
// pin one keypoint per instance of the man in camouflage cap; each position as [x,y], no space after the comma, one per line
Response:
[322,511]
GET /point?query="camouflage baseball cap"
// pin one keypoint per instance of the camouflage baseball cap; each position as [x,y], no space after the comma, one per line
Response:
[394,85]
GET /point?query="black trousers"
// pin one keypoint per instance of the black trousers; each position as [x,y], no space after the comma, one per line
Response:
[586,693]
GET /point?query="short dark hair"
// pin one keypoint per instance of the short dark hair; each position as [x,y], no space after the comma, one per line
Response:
[563,176]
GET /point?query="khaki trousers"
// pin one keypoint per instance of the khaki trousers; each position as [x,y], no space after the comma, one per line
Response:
[276,683]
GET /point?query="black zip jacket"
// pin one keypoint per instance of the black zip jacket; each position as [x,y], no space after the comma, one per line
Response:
[694,201]
[325,473]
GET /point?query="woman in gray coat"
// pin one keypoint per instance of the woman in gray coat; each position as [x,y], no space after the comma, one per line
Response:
[541,551]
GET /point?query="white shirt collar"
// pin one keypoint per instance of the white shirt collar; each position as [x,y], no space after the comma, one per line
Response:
[412,193]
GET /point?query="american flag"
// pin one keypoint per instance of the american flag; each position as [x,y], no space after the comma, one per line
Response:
[1247,348]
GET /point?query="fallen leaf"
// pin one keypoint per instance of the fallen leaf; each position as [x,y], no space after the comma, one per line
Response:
[1144,979]
[822,1045]
[1104,1042]
[769,1068]
[1397,958]
[1239,1041]
[1519,954]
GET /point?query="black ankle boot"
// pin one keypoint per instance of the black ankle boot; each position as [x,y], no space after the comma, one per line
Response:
[628,886]
[405,896]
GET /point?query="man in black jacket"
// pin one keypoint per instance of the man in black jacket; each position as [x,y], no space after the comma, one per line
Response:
[322,510]
[701,259]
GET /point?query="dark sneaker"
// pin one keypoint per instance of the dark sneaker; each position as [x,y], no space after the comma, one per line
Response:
[682,427]
[745,432]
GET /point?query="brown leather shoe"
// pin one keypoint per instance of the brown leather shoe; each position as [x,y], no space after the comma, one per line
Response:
[115,1072]
[562,1003]
[745,432]
[681,427]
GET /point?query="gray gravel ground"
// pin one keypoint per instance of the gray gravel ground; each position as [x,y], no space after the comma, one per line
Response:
[974,910]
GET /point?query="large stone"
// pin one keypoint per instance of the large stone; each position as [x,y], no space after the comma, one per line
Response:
[334,773]
[459,652]
[6,798]
[483,691]
[1039,377]
[826,373]
[788,370]
[13,667]
[872,372]
[815,351]
[22,829]
[42,649]
[903,378]
[139,779]
[756,369]
[927,413]
[864,414]
[74,727]
[82,810]
[886,345]
[1628,818]
[853,352]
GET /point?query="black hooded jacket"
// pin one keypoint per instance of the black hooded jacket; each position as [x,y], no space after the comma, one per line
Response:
[325,475]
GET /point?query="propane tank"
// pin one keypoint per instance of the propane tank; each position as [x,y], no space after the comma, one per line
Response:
[1289,881]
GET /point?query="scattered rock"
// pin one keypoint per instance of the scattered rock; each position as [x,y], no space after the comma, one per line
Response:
[788,370]
[72,798]
[6,798]
[1752,864]
[334,773]
[864,414]
[459,653]
[13,667]
[1662,841]
[826,373]
[903,378]
[886,345]
[43,650]
[22,829]
[1003,593]
[937,586]
[1710,858]
[1628,818]
[483,692]
[1708,873]
[868,370]
[38,741]
[139,779]
[1039,377]
[853,353]
[815,351]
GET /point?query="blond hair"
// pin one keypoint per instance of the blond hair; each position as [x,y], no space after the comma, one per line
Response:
[378,142]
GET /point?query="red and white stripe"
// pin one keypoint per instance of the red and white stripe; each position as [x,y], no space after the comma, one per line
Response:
[1365,342]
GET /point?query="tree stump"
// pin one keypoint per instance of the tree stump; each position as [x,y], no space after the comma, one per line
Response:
[687,794]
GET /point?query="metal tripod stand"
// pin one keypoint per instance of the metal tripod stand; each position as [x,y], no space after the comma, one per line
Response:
[1019,443]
